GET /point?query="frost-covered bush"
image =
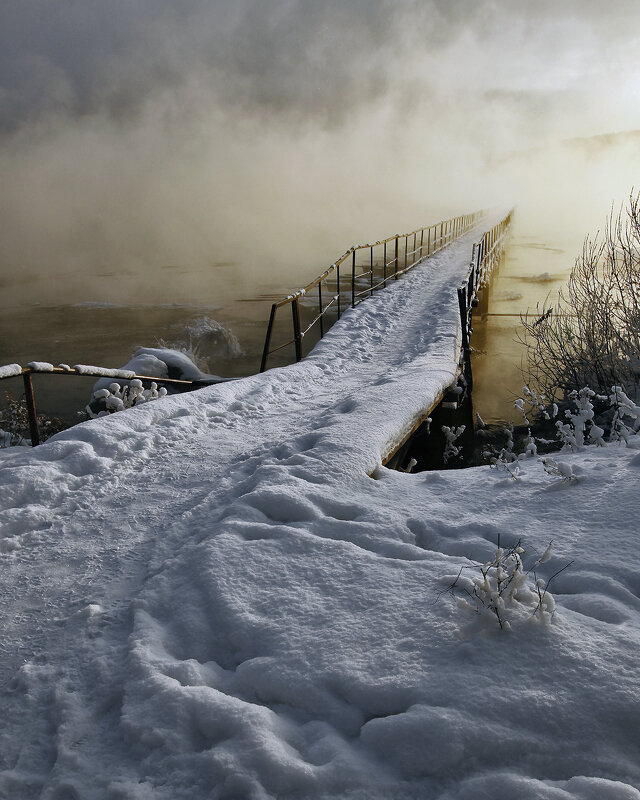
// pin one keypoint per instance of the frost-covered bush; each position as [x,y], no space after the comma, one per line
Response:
[505,591]
[591,336]
[623,407]
[560,469]
[117,398]
[451,435]
[577,424]
[14,423]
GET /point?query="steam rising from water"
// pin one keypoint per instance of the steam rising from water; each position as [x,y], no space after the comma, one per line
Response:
[142,144]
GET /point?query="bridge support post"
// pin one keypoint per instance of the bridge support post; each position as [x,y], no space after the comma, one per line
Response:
[30,400]
[267,340]
[295,311]
[353,280]
[395,262]
[384,266]
[371,272]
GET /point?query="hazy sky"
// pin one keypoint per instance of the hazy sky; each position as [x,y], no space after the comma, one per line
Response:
[153,131]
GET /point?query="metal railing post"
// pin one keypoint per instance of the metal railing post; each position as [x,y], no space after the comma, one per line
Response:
[320,310]
[353,280]
[338,285]
[384,266]
[395,263]
[30,401]
[371,273]
[464,316]
[267,340]
[295,311]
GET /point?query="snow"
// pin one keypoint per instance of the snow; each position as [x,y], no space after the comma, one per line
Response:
[40,366]
[10,370]
[172,362]
[88,369]
[156,362]
[223,594]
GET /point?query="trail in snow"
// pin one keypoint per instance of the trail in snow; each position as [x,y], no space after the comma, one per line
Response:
[208,596]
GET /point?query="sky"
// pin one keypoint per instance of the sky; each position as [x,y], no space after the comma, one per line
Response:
[274,132]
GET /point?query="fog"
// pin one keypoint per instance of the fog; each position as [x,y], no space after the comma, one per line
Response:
[152,149]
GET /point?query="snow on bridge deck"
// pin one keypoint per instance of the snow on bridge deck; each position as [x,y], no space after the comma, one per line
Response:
[208,596]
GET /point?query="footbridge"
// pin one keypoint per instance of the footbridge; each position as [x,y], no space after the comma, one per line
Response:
[454,259]
[401,348]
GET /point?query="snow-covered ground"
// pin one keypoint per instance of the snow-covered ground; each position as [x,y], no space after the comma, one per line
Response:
[224,595]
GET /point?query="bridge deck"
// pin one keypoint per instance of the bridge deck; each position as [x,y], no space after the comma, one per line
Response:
[155,537]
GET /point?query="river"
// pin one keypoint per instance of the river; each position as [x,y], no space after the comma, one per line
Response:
[225,328]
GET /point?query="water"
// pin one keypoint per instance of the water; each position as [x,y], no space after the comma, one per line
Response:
[532,270]
[107,335]
[108,332]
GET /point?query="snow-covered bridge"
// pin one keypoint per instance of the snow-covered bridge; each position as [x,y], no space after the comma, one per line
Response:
[364,269]
[224,594]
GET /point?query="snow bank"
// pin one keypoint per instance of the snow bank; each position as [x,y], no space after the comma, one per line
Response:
[210,597]
[10,370]
[40,366]
[157,362]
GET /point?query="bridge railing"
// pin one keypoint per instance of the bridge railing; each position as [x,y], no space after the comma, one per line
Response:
[9,371]
[486,254]
[359,272]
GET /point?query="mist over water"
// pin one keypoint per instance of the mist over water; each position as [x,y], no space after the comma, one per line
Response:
[202,153]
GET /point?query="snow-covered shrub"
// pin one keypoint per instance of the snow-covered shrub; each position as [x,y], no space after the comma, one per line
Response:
[451,435]
[506,459]
[14,423]
[560,469]
[580,427]
[622,407]
[505,591]
[591,335]
[117,398]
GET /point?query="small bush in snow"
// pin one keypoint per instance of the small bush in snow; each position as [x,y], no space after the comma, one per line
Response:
[622,407]
[505,591]
[579,426]
[451,450]
[558,468]
[14,423]
[117,398]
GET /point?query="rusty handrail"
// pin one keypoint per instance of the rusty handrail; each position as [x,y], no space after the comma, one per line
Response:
[81,370]
[486,253]
[406,254]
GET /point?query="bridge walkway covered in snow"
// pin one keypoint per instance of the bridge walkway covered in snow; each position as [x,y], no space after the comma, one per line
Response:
[305,316]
